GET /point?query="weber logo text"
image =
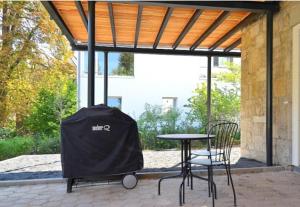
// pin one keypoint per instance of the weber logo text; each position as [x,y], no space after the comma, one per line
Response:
[101,128]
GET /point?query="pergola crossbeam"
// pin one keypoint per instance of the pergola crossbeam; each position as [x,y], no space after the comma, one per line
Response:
[163,27]
[212,28]
[231,32]
[82,14]
[82,47]
[256,7]
[187,28]
[233,45]
[138,25]
[59,21]
[112,23]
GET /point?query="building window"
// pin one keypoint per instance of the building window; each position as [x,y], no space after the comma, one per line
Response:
[85,62]
[121,64]
[221,61]
[100,63]
[114,102]
[168,103]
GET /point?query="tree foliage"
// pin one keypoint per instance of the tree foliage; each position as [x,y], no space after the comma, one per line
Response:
[154,121]
[232,75]
[126,65]
[51,107]
[32,50]
[225,99]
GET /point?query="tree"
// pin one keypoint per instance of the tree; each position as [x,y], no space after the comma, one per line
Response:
[51,107]
[154,121]
[126,64]
[225,99]
[31,47]
[232,75]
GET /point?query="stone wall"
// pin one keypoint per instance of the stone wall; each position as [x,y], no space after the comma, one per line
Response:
[253,86]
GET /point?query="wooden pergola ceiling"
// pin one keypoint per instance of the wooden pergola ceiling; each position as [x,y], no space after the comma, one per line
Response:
[163,27]
[146,26]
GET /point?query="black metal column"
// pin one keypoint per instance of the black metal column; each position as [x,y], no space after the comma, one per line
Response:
[269,91]
[208,88]
[91,53]
[105,77]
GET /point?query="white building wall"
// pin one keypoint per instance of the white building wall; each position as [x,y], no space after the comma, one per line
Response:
[155,77]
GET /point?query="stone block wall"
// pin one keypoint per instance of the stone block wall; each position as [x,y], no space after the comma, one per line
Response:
[253,86]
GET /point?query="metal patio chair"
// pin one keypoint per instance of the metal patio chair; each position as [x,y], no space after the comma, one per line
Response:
[219,150]
[206,152]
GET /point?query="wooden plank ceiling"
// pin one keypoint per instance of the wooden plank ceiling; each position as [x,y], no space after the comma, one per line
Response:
[191,28]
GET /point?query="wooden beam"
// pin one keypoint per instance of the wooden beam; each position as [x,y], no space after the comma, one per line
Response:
[211,28]
[59,21]
[187,28]
[233,45]
[162,27]
[256,7]
[112,23]
[83,47]
[138,25]
[82,14]
[232,32]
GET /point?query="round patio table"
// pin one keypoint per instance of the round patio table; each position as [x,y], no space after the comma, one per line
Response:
[186,171]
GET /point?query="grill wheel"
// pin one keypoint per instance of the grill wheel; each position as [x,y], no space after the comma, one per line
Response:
[129,181]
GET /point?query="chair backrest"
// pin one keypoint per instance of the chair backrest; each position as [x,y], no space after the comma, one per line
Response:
[211,123]
[222,143]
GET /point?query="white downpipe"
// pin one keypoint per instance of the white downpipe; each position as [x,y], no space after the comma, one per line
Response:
[296,97]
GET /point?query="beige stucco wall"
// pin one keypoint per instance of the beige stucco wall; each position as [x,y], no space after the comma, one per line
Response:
[253,89]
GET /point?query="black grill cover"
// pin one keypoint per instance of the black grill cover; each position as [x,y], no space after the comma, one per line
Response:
[99,140]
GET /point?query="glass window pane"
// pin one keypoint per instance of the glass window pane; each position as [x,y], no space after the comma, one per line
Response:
[216,61]
[100,63]
[85,62]
[168,104]
[114,102]
[121,64]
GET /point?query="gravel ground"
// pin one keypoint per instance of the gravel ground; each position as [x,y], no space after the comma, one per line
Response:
[51,162]
[49,165]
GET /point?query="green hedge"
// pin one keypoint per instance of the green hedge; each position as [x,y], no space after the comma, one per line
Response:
[15,146]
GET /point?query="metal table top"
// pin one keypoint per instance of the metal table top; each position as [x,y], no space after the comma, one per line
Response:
[185,136]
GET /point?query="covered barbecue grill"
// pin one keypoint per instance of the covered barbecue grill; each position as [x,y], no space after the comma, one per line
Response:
[99,141]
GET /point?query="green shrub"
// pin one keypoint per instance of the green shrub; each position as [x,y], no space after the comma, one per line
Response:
[154,121]
[50,108]
[15,146]
[6,133]
[46,145]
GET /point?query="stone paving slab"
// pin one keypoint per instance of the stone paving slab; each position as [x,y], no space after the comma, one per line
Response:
[272,189]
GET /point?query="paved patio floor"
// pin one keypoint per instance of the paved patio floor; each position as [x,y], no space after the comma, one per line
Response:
[274,189]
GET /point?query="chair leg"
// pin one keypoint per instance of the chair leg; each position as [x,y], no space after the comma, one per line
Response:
[183,197]
[226,168]
[212,186]
[191,181]
[208,177]
[231,181]
[180,195]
